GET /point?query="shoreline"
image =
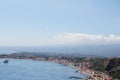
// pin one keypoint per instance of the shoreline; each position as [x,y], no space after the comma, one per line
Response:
[72,76]
[90,74]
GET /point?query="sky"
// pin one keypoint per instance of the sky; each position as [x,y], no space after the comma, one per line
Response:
[59,22]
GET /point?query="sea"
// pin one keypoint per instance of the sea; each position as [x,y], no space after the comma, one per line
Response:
[18,69]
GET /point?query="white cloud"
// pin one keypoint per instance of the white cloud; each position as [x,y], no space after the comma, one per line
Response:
[85,38]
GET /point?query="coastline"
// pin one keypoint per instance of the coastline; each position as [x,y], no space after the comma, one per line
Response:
[90,74]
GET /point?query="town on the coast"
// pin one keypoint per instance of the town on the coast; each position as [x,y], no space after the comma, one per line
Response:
[84,65]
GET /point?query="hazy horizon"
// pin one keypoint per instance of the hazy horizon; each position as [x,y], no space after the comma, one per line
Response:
[96,50]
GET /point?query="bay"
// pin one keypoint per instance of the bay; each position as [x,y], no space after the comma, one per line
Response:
[36,70]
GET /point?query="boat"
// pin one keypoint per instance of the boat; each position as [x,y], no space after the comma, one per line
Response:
[6,61]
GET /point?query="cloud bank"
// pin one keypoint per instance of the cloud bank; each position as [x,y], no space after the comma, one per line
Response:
[81,38]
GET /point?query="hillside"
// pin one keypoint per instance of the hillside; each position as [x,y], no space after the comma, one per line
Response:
[113,67]
[110,66]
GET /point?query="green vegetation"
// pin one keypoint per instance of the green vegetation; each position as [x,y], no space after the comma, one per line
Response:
[98,64]
[113,67]
[110,66]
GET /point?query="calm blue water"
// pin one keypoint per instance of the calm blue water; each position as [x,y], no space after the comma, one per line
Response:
[35,70]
